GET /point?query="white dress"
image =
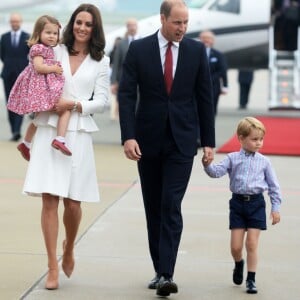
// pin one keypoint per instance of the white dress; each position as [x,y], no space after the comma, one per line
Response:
[50,171]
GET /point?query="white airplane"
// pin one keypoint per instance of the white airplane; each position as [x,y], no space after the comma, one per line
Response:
[241,29]
[13,4]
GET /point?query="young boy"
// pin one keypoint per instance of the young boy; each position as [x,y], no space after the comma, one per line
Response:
[250,175]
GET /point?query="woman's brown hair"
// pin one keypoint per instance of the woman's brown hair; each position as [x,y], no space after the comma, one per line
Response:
[97,41]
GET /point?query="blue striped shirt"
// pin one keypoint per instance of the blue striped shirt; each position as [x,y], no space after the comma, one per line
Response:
[249,173]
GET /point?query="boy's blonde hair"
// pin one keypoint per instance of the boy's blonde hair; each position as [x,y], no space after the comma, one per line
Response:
[39,27]
[247,124]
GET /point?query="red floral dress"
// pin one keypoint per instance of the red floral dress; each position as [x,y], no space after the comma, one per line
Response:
[34,92]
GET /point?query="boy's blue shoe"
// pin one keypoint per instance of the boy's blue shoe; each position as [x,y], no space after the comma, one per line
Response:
[251,287]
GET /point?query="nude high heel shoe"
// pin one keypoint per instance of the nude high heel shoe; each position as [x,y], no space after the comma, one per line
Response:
[52,280]
[68,261]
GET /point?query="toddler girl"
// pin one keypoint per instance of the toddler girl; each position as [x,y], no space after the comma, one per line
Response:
[39,87]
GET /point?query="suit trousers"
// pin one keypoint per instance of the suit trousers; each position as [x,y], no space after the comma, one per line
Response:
[216,97]
[15,120]
[244,94]
[164,179]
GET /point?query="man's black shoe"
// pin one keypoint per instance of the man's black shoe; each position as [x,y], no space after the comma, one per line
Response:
[251,287]
[166,286]
[15,137]
[238,272]
[153,283]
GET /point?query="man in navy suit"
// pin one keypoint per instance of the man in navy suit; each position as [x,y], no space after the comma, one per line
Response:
[160,131]
[245,78]
[218,67]
[286,15]
[14,55]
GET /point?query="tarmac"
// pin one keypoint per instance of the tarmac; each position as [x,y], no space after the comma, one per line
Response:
[112,258]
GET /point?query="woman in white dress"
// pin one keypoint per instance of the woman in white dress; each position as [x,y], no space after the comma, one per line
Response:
[51,174]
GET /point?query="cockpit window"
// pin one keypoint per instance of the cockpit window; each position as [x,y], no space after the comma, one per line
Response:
[229,6]
[196,3]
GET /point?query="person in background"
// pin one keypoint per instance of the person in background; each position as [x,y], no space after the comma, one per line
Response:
[119,57]
[165,96]
[112,52]
[218,67]
[250,174]
[70,178]
[245,79]
[14,55]
[114,111]
[286,20]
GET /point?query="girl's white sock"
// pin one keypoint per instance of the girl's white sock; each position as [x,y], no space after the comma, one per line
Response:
[27,144]
[61,139]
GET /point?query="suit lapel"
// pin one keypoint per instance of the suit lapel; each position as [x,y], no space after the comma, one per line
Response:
[156,65]
[180,63]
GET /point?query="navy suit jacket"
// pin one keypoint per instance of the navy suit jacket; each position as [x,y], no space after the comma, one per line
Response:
[245,76]
[14,59]
[188,108]
[218,70]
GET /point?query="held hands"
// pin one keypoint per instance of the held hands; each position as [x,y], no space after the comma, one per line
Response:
[132,150]
[205,161]
[208,156]
[275,216]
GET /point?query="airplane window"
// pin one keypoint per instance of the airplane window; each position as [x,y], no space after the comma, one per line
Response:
[229,6]
[196,3]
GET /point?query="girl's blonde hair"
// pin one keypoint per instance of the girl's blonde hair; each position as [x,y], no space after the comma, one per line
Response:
[247,124]
[39,27]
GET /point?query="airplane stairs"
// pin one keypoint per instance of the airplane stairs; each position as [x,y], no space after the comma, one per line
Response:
[284,78]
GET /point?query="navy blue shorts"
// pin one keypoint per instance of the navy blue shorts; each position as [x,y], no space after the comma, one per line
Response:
[247,212]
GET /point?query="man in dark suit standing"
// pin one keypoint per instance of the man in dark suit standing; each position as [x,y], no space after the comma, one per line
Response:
[172,75]
[119,56]
[245,78]
[14,55]
[286,19]
[218,67]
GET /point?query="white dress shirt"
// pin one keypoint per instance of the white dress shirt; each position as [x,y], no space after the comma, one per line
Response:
[163,44]
[15,35]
